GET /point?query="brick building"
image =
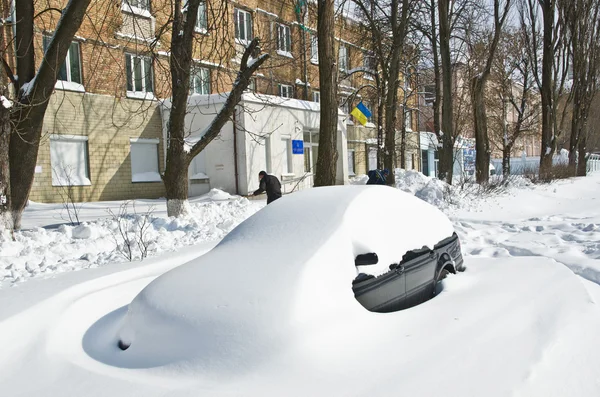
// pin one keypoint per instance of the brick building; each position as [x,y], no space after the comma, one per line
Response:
[104,130]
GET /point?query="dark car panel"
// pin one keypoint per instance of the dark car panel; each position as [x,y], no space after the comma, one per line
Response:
[411,281]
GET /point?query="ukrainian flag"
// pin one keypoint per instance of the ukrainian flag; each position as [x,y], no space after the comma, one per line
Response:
[361,113]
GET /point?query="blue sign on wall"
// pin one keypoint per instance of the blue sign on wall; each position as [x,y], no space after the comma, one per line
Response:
[297,147]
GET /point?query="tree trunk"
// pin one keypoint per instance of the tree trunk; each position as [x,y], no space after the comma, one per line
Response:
[482,143]
[176,180]
[506,162]
[547,89]
[380,126]
[582,162]
[326,171]
[28,116]
[446,153]
[403,148]
[576,128]
[178,161]
[6,222]
[438,86]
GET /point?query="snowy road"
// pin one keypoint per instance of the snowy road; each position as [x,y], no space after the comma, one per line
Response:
[518,322]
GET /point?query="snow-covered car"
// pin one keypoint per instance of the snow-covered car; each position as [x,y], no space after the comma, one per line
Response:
[289,268]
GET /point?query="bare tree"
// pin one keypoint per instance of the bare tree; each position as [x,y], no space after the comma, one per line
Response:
[180,61]
[548,8]
[513,76]
[582,25]
[33,88]
[325,174]
[478,84]
[387,24]
[447,150]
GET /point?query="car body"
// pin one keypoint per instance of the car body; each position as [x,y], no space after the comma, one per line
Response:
[410,281]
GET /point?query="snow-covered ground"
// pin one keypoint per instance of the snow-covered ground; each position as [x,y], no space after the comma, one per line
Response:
[523,320]
[48,246]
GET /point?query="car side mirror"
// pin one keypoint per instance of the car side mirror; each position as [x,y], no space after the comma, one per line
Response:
[366,259]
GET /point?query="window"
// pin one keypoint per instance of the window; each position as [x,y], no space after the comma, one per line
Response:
[316,96]
[70,70]
[141,4]
[267,143]
[200,81]
[139,7]
[311,150]
[139,75]
[286,91]
[201,22]
[408,119]
[369,61]
[351,161]
[144,160]
[252,86]
[345,105]
[429,95]
[314,49]
[243,25]
[343,58]
[69,160]
[284,41]
[288,164]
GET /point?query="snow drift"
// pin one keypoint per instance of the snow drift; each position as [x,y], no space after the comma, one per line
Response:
[276,276]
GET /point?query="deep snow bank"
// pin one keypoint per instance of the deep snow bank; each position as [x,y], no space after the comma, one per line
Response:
[276,276]
[431,190]
[43,252]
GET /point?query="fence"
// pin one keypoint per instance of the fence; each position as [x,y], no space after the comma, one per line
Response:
[521,165]
[593,163]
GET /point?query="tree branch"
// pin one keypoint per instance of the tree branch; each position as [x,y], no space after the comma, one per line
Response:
[239,86]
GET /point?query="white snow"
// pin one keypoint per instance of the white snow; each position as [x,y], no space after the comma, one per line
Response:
[522,320]
[41,252]
[6,102]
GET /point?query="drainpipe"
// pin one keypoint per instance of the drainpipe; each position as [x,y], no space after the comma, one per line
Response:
[235,153]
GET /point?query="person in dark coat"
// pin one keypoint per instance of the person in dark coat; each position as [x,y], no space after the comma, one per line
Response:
[269,184]
[377,177]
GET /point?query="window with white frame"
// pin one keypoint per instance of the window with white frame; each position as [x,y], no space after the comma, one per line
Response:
[141,4]
[343,61]
[252,85]
[345,104]
[69,160]
[288,164]
[286,91]
[267,143]
[408,119]
[369,61]
[311,150]
[140,77]
[70,70]
[200,81]
[140,7]
[316,96]
[314,49]
[351,161]
[284,39]
[243,25]
[144,160]
[202,21]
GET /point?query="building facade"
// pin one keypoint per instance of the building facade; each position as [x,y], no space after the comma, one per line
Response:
[104,131]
